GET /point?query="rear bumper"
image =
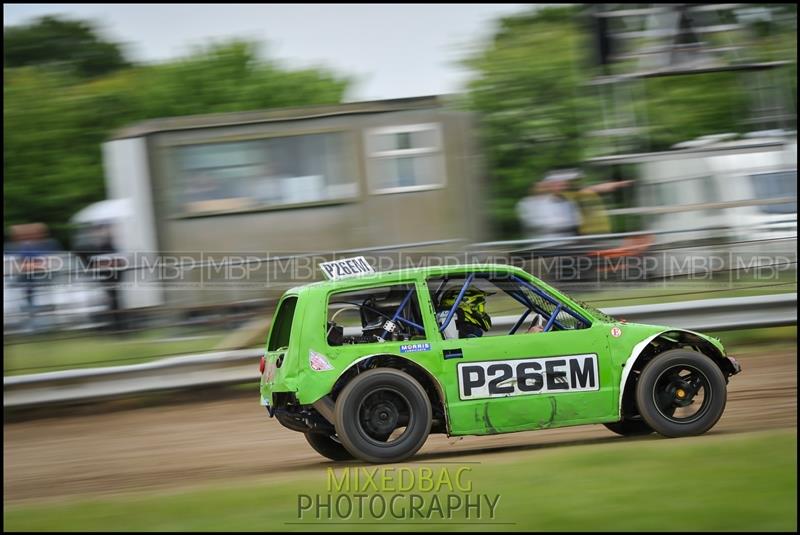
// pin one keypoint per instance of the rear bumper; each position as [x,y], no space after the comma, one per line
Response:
[302,418]
[734,365]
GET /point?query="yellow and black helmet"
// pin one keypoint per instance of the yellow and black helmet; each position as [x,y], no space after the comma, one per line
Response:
[472,309]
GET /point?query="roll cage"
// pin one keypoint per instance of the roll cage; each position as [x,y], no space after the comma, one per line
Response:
[518,295]
[555,314]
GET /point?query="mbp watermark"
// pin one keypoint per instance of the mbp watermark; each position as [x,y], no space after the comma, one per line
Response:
[420,494]
[256,270]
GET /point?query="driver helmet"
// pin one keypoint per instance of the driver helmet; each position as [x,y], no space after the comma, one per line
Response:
[471,314]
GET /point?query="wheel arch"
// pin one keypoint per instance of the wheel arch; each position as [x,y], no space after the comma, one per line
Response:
[662,341]
[426,379]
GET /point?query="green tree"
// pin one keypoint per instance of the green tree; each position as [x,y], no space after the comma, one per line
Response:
[526,92]
[57,41]
[54,124]
[531,90]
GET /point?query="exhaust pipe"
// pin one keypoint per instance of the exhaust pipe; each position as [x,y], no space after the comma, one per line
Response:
[327,408]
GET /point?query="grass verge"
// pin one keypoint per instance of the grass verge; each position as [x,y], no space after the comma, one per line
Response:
[45,354]
[715,482]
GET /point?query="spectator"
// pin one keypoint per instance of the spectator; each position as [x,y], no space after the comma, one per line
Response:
[548,212]
[96,247]
[32,244]
[560,208]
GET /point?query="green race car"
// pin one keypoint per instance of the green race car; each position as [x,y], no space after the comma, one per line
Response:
[366,365]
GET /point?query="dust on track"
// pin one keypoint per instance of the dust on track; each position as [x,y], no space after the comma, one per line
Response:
[175,446]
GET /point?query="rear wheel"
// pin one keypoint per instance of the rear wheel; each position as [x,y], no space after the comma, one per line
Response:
[328,447]
[383,416]
[681,393]
[629,428]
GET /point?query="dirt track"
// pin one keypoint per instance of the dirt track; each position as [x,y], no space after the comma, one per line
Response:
[186,445]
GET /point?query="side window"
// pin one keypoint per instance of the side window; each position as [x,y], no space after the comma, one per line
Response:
[282,324]
[374,315]
[243,175]
[472,306]
[407,157]
[774,186]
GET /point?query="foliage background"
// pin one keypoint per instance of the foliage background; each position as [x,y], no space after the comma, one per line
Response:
[57,112]
[531,91]
[67,89]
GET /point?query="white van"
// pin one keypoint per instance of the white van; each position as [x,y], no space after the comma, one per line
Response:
[741,188]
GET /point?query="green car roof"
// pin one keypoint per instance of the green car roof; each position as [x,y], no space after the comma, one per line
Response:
[406,274]
[422,273]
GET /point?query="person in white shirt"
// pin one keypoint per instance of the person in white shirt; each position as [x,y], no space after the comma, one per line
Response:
[546,213]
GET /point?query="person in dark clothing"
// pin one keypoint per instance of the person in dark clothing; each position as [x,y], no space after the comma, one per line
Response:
[96,249]
[31,244]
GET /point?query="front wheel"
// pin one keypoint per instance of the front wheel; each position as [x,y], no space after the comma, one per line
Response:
[681,393]
[383,416]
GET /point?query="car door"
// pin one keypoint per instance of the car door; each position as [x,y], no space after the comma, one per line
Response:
[524,381]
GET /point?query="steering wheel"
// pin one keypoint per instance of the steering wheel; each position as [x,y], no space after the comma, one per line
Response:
[537,321]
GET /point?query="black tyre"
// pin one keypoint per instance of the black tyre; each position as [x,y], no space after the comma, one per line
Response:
[630,428]
[328,447]
[383,416]
[681,393]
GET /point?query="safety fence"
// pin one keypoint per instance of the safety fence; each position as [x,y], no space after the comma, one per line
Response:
[241,366]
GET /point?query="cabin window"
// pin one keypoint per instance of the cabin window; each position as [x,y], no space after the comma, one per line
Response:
[242,175]
[376,315]
[481,305]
